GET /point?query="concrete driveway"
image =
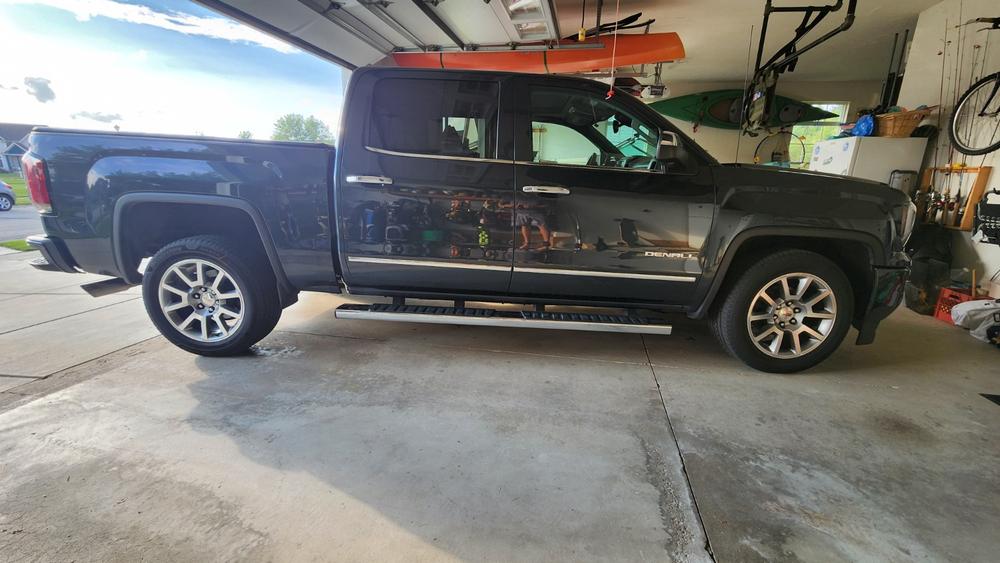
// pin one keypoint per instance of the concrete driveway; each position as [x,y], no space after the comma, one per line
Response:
[352,440]
[19,222]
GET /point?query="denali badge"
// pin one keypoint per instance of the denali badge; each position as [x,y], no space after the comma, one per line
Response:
[670,254]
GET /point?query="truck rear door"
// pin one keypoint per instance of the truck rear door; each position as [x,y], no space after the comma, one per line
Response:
[425,183]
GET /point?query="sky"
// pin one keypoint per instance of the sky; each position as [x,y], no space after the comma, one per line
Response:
[155,66]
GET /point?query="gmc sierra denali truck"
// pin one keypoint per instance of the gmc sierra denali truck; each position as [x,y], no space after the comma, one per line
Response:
[480,187]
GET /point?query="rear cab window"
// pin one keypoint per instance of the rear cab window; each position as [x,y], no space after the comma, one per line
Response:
[443,118]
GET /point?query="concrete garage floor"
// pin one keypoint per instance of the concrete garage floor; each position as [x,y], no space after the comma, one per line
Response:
[352,440]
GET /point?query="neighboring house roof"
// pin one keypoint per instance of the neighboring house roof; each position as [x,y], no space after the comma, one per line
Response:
[15,149]
[14,132]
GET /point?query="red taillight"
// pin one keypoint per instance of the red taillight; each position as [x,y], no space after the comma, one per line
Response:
[38,182]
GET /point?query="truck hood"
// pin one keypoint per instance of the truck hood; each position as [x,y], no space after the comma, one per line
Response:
[752,177]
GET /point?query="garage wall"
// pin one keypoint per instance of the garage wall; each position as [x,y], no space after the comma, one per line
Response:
[721,143]
[923,85]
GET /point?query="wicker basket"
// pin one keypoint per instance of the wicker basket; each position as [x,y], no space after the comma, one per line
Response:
[900,124]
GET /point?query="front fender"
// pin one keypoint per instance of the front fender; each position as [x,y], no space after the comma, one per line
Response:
[727,248]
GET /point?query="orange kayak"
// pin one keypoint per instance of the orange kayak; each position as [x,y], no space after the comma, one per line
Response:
[631,50]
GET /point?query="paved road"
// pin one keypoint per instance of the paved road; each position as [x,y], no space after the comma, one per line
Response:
[19,223]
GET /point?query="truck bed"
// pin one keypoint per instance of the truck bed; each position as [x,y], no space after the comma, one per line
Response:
[285,183]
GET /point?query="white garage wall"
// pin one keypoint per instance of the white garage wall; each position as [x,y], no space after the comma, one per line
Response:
[923,84]
[721,143]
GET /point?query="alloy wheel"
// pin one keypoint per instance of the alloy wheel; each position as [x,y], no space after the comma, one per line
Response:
[201,300]
[792,315]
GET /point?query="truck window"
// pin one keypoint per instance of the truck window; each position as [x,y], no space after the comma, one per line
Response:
[578,128]
[557,144]
[435,117]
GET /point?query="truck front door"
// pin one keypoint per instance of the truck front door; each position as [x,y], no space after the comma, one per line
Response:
[425,185]
[596,214]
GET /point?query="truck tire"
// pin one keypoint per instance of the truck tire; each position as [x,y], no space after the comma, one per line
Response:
[787,312]
[209,296]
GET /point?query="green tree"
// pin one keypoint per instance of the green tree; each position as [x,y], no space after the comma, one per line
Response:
[244,135]
[295,127]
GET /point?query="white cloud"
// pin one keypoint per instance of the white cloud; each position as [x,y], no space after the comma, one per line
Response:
[39,88]
[97,116]
[215,27]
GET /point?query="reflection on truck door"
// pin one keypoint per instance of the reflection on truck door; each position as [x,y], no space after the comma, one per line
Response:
[593,203]
[427,196]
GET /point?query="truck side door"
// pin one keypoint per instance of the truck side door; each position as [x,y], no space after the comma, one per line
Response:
[425,185]
[597,216]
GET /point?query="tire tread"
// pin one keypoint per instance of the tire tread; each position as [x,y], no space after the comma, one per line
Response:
[260,289]
[729,321]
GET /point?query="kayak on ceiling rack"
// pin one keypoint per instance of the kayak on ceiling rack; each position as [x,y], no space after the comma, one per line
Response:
[760,96]
[721,109]
[549,58]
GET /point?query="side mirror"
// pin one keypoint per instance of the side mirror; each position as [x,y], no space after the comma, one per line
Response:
[667,150]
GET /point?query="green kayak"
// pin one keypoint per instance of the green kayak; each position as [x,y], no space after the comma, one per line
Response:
[721,109]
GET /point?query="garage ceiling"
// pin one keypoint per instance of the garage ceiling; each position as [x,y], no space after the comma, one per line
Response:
[715,32]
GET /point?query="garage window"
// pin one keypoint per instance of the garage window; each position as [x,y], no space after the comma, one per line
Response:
[435,117]
[812,132]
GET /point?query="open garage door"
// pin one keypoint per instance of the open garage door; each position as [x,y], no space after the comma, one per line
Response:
[356,33]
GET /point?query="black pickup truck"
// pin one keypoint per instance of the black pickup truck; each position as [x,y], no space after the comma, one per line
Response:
[477,187]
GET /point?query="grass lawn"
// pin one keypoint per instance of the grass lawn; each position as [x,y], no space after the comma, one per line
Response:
[16,245]
[16,182]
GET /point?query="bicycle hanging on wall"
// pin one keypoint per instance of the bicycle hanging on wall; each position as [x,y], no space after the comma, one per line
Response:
[975,123]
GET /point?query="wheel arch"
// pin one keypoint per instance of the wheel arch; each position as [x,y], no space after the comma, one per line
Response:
[145,222]
[855,252]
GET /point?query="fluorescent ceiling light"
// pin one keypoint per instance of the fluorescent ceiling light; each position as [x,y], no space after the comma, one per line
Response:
[526,20]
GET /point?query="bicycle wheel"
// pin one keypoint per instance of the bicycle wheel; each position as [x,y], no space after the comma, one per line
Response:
[975,125]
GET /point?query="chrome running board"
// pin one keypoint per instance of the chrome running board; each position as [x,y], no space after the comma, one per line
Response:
[516,319]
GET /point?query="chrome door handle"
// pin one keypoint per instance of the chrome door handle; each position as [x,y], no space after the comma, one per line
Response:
[545,190]
[369,179]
